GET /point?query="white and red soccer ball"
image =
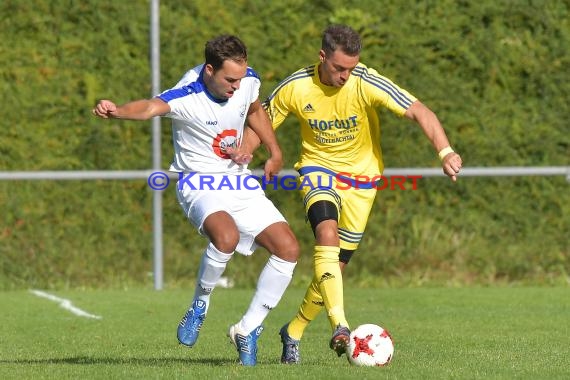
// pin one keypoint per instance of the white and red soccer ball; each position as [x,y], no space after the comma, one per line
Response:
[370,346]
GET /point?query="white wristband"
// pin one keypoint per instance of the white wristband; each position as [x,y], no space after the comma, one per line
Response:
[444,152]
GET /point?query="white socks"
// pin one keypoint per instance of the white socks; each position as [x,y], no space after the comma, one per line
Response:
[271,286]
[212,267]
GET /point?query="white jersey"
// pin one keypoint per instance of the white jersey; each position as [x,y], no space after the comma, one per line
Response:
[203,126]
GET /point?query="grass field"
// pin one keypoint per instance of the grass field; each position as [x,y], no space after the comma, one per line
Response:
[467,333]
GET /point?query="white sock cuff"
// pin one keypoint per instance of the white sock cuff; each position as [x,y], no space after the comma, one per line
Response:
[282,266]
[215,254]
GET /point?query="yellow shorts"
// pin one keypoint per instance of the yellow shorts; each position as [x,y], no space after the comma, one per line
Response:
[353,204]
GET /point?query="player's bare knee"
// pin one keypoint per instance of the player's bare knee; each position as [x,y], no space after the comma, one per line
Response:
[292,252]
[280,240]
[288,248]
[225,241]
[326,233]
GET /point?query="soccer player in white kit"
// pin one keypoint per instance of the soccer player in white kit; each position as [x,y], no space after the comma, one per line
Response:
[209,107]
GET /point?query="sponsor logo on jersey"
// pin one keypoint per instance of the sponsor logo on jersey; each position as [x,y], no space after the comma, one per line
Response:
[225,139]
[326,125]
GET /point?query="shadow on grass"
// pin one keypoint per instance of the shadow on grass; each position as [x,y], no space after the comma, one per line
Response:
[86,360]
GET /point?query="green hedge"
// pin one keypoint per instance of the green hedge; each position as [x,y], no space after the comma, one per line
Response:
[495,72]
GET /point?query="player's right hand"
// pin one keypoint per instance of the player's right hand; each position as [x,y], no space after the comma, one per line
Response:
[105,109]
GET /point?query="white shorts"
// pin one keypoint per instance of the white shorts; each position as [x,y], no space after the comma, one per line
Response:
[251,210]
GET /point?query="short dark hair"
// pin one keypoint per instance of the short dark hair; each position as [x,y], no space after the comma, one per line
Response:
[224,47]
[341,37]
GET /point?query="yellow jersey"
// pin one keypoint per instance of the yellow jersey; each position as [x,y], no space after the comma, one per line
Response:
[340,128]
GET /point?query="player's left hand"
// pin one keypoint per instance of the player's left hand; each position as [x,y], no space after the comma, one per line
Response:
[272,167]
[451,165]
[238,156]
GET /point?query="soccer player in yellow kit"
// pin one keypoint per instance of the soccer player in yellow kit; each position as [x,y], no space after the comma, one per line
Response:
[335,101]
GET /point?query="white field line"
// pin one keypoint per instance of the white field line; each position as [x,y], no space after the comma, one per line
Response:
[64,303]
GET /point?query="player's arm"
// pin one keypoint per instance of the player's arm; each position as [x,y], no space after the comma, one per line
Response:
[250,141]
[142,109]
[276,109]
[428,121]
[263,133]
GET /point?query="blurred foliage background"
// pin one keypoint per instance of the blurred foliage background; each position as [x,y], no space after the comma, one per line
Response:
[495,72]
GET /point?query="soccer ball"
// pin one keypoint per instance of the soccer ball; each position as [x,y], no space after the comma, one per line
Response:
[370,345]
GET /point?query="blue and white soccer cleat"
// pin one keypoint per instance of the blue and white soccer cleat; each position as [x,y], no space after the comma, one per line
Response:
[191,323]
[290,353]
[246,345]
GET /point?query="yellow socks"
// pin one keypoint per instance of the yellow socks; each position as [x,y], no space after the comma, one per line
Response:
[325,290]
[329,277]
[308,311]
